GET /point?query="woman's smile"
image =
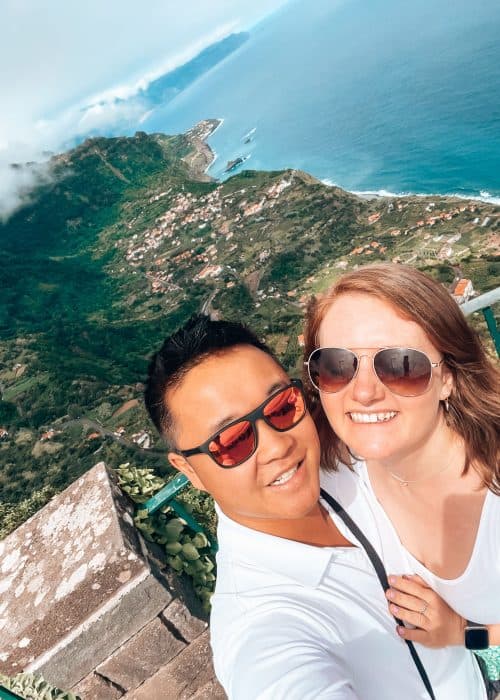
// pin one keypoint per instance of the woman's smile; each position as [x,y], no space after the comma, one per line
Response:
[369,418]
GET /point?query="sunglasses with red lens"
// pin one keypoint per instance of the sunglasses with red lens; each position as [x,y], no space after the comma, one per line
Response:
[404,371]
[237,441]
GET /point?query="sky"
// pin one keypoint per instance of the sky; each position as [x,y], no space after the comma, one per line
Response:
[64,63]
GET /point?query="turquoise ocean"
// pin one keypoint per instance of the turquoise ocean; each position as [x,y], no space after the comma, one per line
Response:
[372,95]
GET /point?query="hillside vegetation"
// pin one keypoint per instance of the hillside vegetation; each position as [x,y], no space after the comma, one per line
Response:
[128,239]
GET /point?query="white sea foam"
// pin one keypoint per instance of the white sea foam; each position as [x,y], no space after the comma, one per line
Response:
[483,195]
[329,183]
[214,152]
[250,133]
[368,193]
[487,197]
[221,122]
[214,158]
[381,193]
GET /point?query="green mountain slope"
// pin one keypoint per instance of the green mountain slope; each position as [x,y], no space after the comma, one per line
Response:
[130,237]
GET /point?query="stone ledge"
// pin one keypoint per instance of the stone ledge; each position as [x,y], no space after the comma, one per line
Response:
[61,565]
[211,691]
[94,687]
[178,616]
[102,636]
[91,606]
[189,675]
[76,582]
[141,656]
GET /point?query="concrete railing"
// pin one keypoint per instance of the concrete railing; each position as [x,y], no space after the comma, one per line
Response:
[86,603]
[483,303]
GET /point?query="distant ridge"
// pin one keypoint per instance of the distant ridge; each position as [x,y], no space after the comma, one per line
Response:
[169,85]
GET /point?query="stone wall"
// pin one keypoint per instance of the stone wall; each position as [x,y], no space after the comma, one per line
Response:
[88,605]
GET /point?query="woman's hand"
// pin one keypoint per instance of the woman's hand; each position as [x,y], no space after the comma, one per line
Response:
[436,624]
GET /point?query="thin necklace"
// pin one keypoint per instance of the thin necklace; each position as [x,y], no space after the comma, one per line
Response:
[405,482]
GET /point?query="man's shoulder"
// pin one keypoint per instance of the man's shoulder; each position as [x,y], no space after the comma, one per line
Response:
[250,595]
[342,483]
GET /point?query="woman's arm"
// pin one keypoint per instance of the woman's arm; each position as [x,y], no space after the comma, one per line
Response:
[494,634]
[435,623]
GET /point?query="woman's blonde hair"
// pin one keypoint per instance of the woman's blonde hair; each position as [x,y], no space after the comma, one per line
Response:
[474,404]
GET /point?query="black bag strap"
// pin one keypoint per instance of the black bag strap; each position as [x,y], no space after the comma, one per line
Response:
[382,577]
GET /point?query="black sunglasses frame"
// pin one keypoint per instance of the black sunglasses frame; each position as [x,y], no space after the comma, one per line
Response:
[359,357]
[252,418]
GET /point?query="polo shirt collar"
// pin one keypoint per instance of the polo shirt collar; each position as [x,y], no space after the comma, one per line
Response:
[303,563]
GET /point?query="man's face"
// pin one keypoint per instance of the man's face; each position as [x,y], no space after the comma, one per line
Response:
[219,390]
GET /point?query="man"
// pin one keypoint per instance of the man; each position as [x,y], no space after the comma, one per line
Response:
[298,612]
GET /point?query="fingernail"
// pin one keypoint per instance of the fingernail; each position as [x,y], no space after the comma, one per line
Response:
[401,631]
[390,594]
[392,580]
[394,609]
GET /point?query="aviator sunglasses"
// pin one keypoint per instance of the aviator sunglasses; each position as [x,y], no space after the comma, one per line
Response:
[237,441]
[404,371]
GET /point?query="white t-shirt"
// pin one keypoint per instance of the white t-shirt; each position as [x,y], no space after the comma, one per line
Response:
[295,622]
[475,594]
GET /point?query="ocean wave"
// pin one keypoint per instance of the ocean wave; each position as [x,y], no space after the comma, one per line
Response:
[221,122]
[385,193]
[329,183]
[215,155]
[486,197]
[483,195]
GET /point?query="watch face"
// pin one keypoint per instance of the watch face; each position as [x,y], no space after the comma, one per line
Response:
[476,638]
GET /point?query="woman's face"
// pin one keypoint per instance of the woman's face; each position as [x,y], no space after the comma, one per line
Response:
[398,425]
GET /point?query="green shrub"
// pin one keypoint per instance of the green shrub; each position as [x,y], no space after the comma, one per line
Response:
[33,687]
[187,552]
[13,514]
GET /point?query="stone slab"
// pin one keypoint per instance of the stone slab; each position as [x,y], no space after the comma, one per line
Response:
[189,673]
[122,617]
[62,564]
[141,656]
[94,687]
[181,618]
[211,691]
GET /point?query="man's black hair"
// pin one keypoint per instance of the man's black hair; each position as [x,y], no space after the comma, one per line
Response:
[199,338]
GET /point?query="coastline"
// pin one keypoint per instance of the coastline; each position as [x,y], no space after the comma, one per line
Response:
[201,157]
[211,156]
[220,121]
[485,197]
[214,153]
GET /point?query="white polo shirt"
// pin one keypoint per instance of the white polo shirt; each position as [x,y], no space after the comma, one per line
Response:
[475,594]
[295,622]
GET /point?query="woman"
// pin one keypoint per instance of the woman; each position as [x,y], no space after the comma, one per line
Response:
[404,394]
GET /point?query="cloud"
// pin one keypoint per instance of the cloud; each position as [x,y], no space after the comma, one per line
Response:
[79,68]
[19,173]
